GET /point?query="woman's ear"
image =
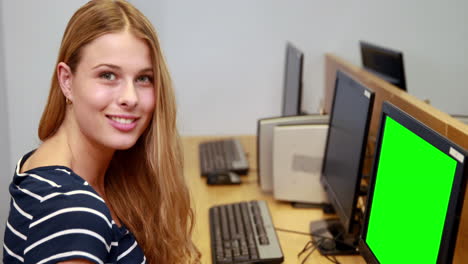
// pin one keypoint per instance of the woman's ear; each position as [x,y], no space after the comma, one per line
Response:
[65,79]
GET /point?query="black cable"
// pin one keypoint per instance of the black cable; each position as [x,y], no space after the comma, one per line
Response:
[336,260]
[291,231]
[308,245]
[315,235]
[332,259]
[313,245]
[316,245]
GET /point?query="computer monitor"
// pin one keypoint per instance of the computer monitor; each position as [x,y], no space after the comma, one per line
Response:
[343,163]
[384,62]
[292,86]
[416,192]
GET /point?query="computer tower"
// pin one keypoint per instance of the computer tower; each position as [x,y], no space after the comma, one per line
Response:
[265,129]
[298,152]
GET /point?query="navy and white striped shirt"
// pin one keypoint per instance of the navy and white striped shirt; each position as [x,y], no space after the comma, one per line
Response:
[55,215]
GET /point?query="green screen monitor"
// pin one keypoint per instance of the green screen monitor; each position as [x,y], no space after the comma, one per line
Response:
[415,195]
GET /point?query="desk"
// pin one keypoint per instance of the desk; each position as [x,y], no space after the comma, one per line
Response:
[284,216]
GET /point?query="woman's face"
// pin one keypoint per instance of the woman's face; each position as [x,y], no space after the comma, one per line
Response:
[112,89]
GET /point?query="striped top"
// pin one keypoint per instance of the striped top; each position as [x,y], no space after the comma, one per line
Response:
[55,216]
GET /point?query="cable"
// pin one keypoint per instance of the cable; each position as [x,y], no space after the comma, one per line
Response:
[308,245]
[332,259]
[315,235]
[314,245]
[291,231]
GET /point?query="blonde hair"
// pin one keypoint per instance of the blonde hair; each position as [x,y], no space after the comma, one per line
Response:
[144,184]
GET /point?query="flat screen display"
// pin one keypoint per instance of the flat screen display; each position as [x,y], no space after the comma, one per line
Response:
[345,148]
[292,90]
[416,189]
[411,196]
[385,63]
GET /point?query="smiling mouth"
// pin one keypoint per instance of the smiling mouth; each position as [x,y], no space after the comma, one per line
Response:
[122,120]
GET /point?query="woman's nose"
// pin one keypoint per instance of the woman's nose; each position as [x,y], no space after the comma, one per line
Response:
[128,97]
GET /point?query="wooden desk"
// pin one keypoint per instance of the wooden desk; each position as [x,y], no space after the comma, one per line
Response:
[284,216]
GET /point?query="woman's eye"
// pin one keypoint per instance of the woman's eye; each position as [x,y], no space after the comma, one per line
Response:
[108,76]
[145,79]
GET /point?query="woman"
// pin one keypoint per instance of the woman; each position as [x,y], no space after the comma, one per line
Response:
[106,184]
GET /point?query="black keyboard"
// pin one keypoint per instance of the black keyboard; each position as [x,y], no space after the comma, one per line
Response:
[221,156]
[243,233]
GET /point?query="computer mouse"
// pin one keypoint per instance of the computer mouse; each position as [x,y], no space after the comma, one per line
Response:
[223,178]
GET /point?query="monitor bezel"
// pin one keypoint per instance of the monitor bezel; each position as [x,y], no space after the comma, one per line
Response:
[457,195]
[347,221]
[370,49]
[290,50]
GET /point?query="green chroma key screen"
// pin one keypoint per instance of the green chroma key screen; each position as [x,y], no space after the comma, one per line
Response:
[410,200]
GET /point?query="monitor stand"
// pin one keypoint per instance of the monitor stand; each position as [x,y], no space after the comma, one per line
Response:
[330,238]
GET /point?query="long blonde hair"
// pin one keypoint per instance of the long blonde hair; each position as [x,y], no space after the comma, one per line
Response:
[144,184]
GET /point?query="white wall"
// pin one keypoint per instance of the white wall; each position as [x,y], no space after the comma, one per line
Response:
[227,56]
[32,34]
[5,163]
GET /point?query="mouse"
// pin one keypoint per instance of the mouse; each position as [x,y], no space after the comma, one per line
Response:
[223,178]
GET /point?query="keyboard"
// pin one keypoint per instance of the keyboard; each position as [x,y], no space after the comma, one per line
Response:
[221,156]
[243,233]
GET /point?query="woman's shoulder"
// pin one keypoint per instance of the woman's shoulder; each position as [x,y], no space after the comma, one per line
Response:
[54,187]
[41,169]
[51,177]
[58,212]
[54,183]
[50,153]
[48,177]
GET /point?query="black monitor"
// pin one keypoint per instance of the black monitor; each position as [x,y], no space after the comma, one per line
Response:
[416,192]
[384,62]
[292,86]
[343,162]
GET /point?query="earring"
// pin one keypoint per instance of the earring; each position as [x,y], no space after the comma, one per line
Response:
[68,101]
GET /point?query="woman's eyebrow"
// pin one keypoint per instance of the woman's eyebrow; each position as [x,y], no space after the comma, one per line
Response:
[107,65]
[112,66]
[149,69]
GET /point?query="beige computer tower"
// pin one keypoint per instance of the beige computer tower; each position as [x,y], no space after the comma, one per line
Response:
[265,129]
[298,152]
